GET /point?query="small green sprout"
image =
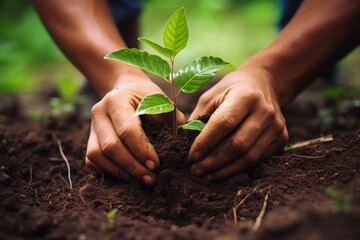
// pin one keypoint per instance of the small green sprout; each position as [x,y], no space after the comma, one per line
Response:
[68,100]
[189,79]
[341,201]
[111,217]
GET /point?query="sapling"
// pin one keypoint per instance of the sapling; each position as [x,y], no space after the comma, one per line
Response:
[68,98]
[189,79]
[111,218]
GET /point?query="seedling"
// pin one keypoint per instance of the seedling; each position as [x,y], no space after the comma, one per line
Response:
[189,79]
[68,100]
[111,217]
[341,200]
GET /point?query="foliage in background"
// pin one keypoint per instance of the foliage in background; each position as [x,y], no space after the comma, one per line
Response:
[341,101]
[231,29]
[68,99]
[341,201]
[26,49]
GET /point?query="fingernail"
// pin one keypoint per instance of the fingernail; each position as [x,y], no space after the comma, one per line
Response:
[196,156]
[148,180]
[150,164]
[197,171]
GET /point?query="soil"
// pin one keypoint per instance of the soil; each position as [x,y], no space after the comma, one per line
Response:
[289,188]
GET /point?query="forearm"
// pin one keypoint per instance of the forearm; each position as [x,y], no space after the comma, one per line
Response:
[85,32]
[320,33]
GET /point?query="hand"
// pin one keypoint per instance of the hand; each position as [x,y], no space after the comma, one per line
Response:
[246,124]
[117,144]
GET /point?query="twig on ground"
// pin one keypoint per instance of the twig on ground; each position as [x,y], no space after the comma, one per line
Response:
[55,159]
[327,138]
[261,214]
[37,197]
[66,161]
[242,201]
[81,190]
[48,197]
[302,156]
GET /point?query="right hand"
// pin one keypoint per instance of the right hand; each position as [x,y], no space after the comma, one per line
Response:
[117,144]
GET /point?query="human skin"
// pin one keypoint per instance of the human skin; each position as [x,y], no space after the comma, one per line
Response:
[247,124]
[117,145]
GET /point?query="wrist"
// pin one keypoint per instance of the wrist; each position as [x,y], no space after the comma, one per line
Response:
[126,75]
[119,74]
[285,75]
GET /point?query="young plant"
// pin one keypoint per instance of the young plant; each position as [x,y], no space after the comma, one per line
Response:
[110,216]
[189,79]
[68,100]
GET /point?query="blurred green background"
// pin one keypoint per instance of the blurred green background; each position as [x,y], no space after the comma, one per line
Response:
[230,29]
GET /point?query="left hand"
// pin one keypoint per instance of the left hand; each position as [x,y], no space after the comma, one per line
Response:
[246,124]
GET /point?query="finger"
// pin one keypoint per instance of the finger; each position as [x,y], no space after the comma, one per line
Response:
[128,128]
[278,144]
[205,106]
[97,161]
[115,150]
[91,165]
[234,146]
[267,143]
[221,123]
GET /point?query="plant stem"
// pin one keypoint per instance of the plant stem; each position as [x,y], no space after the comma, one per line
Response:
[172,80]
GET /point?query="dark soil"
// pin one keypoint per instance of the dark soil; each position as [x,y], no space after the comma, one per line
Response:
[36,202]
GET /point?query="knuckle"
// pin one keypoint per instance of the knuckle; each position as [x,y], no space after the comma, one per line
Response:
[269,112]
[279,126]
[88,163]
[228,122]
[252,96]
[109,146]
[285,136]
[96,109]
[238,143]
[252,157]
[126,130]
[92,154]
[204,98]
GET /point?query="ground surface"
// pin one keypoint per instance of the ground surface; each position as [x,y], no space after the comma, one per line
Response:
[36,202]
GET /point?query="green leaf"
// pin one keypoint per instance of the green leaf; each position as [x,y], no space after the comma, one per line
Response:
[176,32]
[154,104]
[162,50]
[193,125]
[191,77]
[111,214]
[335,93]
[67,88]
[143,60]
